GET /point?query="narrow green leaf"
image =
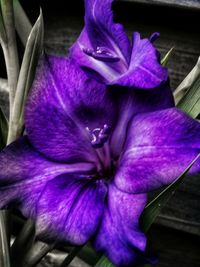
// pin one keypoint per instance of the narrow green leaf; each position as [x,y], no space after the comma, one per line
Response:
[154,207]
[190,102]
[89,255]
[187,84]
[36,253]
[104,262]
[3,129]
[22,23]
[3,37]
[4,245]
[22,243]
[4,86]
[166,58]
[9,47]
[32,53]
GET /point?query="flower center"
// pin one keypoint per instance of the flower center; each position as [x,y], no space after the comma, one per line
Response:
[102,53]
[99,140]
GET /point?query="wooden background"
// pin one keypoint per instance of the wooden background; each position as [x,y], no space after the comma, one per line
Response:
[175,236]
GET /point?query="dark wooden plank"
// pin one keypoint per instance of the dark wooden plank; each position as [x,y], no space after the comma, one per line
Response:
[188,4]
[171,247]
[174,248]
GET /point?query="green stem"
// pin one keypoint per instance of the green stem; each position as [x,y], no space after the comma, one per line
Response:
[71,256]
[10,52]
[36,253]
[22,243]
[4,240]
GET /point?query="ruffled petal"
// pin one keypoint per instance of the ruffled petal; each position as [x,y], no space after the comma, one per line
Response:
[119,236]
[63,102]
[145,70]
[102,30]
[159,147]
[24,173]
[103,45]
[69,209]
[104,51]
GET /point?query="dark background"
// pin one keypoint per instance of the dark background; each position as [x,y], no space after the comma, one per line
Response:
[175,236]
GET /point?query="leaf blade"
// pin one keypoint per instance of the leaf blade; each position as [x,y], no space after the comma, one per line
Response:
[187,84]
[22,23]
[3,129]
[33,50]
[166,58]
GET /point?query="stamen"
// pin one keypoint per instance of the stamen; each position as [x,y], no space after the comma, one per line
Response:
[99,136]
[102,53]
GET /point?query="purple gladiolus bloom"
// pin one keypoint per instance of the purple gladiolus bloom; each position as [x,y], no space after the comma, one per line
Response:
[104,50]
[92,152]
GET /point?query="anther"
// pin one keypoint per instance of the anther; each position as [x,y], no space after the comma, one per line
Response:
[99,136]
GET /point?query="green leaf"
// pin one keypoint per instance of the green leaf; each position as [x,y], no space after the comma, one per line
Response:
[73,253]
[33,50]
[190,83]
[3,129]
[154,207]
[104,262]
[190,102]
[9,47]
[4,245]
[166,58]
[3,37]
[38,251]
[22,23]
[23,243]
[89,255]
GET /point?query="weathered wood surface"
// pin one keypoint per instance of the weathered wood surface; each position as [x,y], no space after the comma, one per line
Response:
[190,4]
[172,248]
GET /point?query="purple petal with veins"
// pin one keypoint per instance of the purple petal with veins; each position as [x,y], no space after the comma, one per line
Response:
[104,47]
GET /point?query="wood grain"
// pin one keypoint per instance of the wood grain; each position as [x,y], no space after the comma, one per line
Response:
[189,4]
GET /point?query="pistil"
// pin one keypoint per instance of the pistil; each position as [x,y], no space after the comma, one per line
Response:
[102,53]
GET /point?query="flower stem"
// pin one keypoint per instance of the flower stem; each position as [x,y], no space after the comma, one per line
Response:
[4,240]
[70,256]
[36,253]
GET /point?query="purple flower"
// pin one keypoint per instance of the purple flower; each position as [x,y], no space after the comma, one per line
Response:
[104,50]
[90,157]
[92,152]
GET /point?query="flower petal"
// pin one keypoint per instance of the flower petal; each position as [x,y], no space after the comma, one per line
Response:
[159,147]
[70,209]
[145,70]
[24,173]
[63,102]
[132,102]
[103,45]
[119,236]
[104,51]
